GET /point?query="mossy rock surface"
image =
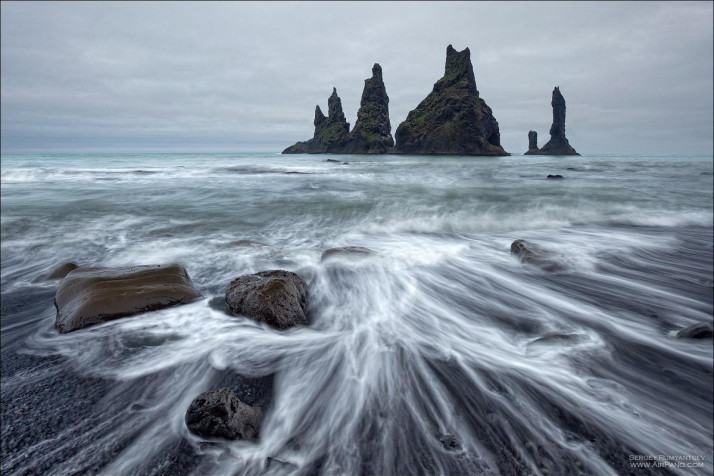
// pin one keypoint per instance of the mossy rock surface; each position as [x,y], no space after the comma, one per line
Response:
[372,131]
[452,119]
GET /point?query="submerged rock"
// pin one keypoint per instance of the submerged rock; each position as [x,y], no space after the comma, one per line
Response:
[57,272]
[345,251]
[90,296]
[279,466]
[371,133]
[219,413]
[452,119]
[558,143]
[696,331]
[533,254]
[247,244]
[449,442]
[558,337]
[276,297]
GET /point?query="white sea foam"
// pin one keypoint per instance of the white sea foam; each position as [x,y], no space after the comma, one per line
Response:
[439,331]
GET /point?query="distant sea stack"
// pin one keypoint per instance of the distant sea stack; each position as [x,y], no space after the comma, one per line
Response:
[558,143]
[532,142]
[452,119]
[372,131]
[331,132]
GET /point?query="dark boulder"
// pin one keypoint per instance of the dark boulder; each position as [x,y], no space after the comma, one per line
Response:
[696,331]
[353,251]
[533,254]
[449,442]
[276,297]
[331,132]
[57,272]
[452,119]
[219,414]
[558,143]
[90,296]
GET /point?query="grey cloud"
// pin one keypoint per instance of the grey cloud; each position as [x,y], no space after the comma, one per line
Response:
[637,77]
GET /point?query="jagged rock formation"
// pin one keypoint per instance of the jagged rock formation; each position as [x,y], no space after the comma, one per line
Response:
[452,119]
[331,132]
[558,143]
[372,131]
[532,142]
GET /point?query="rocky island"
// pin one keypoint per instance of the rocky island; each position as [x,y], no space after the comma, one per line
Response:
[452,119]
[331,132]
[372,131]
[558,143]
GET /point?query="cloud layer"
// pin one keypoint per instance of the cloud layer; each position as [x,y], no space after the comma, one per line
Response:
[637,77]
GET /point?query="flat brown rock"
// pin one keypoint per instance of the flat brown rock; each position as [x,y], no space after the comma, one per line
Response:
[89,296]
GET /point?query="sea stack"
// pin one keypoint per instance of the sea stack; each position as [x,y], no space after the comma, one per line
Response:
[558,143]
[452,119]
[532,142]
[372,131]
[331,132]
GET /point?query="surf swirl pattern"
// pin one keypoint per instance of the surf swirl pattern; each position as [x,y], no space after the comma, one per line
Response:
[438,353]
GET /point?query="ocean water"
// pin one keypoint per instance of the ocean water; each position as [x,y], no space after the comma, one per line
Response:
[439,353]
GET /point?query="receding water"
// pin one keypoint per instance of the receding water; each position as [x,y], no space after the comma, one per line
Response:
[440,353]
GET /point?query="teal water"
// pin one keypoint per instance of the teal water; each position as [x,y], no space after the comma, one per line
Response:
[433,334]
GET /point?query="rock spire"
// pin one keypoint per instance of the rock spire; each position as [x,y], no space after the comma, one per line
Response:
[452,119]
[558,143]
[371,133]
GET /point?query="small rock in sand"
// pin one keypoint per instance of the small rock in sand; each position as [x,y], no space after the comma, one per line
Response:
[219,413]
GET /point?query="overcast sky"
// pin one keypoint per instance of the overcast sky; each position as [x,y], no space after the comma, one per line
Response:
[637,77]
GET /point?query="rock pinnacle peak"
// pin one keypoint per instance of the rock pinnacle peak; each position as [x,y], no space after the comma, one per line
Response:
[371,134]
[452,119]
[558,143]
[377,71]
